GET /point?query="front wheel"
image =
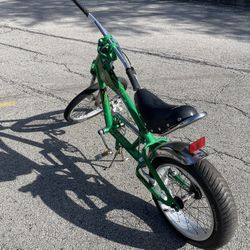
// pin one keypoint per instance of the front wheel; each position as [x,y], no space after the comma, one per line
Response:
[207,218]
[84,106]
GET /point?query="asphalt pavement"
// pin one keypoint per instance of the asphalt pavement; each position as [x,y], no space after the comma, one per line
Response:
[54,194]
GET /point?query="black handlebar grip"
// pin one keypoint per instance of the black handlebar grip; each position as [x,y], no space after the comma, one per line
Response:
[82,8]
[132,77]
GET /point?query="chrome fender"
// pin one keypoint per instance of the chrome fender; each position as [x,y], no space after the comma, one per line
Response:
[177,151]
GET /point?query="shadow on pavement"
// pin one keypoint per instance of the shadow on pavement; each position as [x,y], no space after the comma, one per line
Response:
[87,200]
[129,16]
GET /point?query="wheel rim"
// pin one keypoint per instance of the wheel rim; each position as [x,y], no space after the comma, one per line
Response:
[195,221]
[85,109]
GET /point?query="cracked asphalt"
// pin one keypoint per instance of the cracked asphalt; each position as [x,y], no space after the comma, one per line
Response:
[54,194]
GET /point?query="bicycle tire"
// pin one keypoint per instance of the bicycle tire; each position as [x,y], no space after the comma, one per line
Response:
[214,187]
[84,113]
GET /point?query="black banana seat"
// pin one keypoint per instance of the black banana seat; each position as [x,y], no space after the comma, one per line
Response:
[160,117]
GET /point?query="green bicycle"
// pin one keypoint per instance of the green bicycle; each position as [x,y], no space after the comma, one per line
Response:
[189,192]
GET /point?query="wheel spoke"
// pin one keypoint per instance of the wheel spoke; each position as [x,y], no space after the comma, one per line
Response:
[195,220]
[209,215]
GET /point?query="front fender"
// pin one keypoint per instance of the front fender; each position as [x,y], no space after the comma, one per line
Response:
[177,151]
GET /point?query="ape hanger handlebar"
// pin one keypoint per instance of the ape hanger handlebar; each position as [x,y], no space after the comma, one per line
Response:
[129,69]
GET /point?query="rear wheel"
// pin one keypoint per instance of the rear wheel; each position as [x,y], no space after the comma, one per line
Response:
[207,218]
[84,106]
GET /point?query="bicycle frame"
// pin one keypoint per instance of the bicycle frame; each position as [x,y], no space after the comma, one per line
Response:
[162,164]
[102,68]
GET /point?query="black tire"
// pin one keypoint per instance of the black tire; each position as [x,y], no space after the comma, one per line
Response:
[210,186]
[75,113]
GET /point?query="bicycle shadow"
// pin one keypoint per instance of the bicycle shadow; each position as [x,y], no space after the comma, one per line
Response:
[84,198]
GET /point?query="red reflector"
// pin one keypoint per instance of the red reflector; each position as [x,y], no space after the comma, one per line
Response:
[194,146]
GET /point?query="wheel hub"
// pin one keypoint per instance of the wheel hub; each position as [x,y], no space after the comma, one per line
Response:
[179,202]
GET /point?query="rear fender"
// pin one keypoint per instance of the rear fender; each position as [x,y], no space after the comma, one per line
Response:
[177,151]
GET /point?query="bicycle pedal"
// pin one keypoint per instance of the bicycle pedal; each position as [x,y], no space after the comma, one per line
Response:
[103,154]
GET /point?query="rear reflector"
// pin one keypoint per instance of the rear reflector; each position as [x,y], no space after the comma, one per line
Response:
[194,146]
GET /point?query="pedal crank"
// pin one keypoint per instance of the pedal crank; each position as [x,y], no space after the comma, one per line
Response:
[106,152]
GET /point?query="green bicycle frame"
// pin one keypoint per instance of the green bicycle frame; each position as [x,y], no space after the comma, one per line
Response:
[102,68]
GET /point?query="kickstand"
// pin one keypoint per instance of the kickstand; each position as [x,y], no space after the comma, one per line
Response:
[122,155]
[118,151]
